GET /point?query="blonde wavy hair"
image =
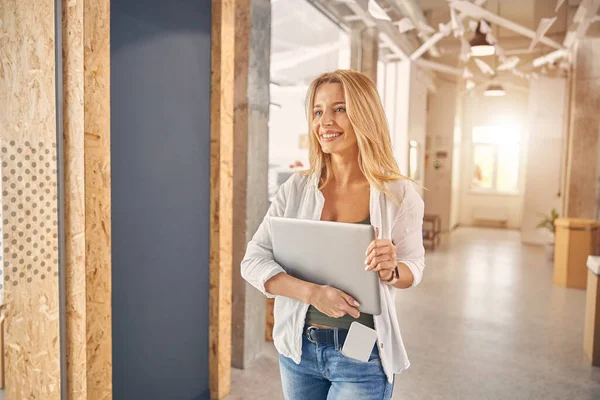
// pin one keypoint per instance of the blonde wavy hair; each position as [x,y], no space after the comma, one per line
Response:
[367,116]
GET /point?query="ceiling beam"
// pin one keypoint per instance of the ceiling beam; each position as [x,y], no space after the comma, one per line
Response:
[550,57]
[427,45]
[398,43]
[477,12]
[412,11]
[390,44]
[439,67]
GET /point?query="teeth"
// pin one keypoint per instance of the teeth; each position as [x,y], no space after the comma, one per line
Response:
[330,135]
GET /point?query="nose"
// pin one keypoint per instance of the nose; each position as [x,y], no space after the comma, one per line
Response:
[327,119]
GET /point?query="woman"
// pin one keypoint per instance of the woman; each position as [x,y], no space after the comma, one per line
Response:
[353,177]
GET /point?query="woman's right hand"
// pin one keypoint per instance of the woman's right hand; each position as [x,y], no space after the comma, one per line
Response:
[333,302]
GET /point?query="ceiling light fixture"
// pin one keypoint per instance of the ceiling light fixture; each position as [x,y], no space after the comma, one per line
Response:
[494,90]
[480,46]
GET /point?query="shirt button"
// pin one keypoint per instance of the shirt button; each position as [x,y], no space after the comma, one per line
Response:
[381,345]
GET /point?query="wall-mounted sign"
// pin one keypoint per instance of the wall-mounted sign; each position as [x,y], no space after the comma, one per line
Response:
[303,143]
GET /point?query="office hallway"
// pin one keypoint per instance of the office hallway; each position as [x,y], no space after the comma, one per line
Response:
[485,323]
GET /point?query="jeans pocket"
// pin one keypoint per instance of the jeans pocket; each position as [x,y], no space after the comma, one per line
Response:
[374,354]
[373,357]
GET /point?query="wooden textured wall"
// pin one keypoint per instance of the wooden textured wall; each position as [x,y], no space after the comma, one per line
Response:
[230,37]
[97,197]
[86,43]
[29,199]
[221,195]
[73,114]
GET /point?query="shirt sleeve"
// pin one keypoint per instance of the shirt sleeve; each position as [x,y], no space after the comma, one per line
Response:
[258,265]
[407,233]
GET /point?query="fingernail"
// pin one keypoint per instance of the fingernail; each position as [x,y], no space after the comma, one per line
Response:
[367,268]
[356,303]
[366,261]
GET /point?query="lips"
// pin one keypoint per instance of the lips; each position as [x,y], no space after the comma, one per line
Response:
[330,135]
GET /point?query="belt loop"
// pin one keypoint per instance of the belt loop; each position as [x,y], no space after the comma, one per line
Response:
[336,338]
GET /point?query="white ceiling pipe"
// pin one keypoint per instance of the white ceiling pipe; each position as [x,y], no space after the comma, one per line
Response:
[411,9]
[474,11]
[386,29]
[362,14]
[389,43]
[439,67]
[353,18]
[550,57]
[429,43]
[432,41]
[543,27]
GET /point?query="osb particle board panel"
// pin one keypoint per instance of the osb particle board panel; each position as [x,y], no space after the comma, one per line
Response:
[1,258]
[28,129]
[74,167]
[221,194]
[97,198]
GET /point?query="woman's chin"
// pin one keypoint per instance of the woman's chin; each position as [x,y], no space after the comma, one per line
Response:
[337,149]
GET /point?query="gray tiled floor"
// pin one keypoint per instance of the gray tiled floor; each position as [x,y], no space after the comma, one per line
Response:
[485,323]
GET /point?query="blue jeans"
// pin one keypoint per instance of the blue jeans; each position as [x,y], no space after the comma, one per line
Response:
[325,374]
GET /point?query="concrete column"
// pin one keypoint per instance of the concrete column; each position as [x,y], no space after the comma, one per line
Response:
[251,201]
[547,100]
[364,51]
[580,187]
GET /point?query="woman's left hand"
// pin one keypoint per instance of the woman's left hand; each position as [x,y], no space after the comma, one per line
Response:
[381,256]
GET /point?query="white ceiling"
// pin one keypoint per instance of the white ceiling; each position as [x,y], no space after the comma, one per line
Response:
[304,43]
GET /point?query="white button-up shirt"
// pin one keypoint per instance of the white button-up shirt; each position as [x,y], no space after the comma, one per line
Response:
[400,220]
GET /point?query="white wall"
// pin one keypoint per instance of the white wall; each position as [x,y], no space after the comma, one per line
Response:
[440,133]
[546,138]
[417,123]
[405,102]
[479,110]
[287,121]
[456,163]
[400,112]
[287,118]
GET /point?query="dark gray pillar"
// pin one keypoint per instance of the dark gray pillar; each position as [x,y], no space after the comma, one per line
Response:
[160,156]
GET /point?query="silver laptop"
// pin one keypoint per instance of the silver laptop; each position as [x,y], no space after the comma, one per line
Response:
[328,253]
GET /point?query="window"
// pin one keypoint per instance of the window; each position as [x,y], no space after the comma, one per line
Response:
[496,159]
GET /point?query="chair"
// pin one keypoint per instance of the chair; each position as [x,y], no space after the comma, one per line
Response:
[431,230]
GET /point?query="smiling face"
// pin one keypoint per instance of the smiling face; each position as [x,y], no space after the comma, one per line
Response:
[331,124]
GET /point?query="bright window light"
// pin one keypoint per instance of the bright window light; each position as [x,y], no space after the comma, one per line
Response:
[496,155]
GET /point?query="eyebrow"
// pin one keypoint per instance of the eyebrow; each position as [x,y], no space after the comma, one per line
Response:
[337,103]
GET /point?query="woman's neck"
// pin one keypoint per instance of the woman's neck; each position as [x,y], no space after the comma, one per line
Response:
[345,169]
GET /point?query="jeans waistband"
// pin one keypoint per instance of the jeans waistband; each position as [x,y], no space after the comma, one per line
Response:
[326,336]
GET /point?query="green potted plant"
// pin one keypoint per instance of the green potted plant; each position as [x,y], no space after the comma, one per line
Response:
[547,222]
